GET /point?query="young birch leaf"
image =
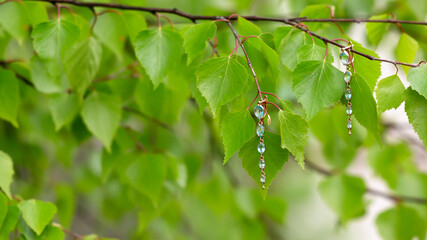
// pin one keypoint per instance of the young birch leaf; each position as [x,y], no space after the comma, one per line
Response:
[86,57]
[3,208]
[158,50]
[37,214]
[290,40]
[275,158]
[36,12]
[102,113]
[370,70]
[247,28]
[195,39]
[9,222]
[316,11]
[6,173]
[237,128]
[63,107]
[147,175]
[364,105]
[317,85]
[400,223]
[344,195]
[135,23]
[416,109]
[310,52]
[14,20]
[42,79]
[294,134]
[406,50]
[9,96]
[389,93]
[220,80]
[110,31]
[417,79]
[375,30]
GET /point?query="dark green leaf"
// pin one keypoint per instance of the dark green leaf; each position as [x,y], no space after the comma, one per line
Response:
[9,96]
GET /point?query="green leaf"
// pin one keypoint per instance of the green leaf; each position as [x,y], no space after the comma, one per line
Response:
[37,214]
[86,57]
[247,28]
[43,80]
[316,11]
[288,41]
[110,31]
[416,77]
[102,113]
[157,51]
[237,128]
[14,20]
[416,109]
[310,52]
[275,158]
[66,204]
[36,12]
[406,49]
[3,208]
[368,69]
[52,233]
[400,223]
[135,23]
[220,80]
[195,39]
[51,40]
[375,30]
[344,195]
[147,174]
[317,85]
[6,173]
[9,222]
[294,134]
[9,96]
[389,93]
[364,105]
[63,107]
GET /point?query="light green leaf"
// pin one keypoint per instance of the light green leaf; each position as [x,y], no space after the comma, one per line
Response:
[237,128]
[3,208]
[316,11]
[344,195]
[406,49]
[9,222]
[36,12]
[364,105]
[37,214]
[195,39]
[102,113]
[288,41]
[417,79]
[86,57]
[389,93]
[310,52]
[14,20]
[43,80]
[317,85]
[416,109]
[368,69]
[9,96]
[375,30]
[400,223]
[157,50]
[134,22]
[110,31]
[275,158]
[6,173]
[147,174]
[294,134]
[247,28]
[220,80]
[63,107]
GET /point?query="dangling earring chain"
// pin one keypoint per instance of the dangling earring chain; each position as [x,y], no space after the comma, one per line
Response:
[260,113]
[347,61]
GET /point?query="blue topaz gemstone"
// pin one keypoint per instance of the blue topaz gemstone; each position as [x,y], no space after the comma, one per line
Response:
[349,125]
[260,130]
[261,148]
[349,110]
[345,59]
[348,94]
[259,111]
[262,179]
[347,76]
[262,164]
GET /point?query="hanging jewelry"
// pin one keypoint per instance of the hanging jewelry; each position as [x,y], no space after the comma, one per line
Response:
[260,113]
[347,61]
